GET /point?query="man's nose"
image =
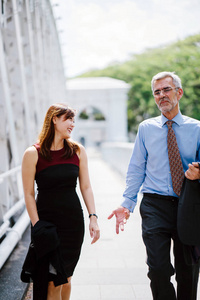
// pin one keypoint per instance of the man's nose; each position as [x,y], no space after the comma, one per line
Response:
[162,92]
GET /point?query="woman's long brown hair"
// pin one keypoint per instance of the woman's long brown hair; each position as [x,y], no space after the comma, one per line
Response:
[47,133]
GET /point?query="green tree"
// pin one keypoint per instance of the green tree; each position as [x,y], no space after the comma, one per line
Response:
[183,57]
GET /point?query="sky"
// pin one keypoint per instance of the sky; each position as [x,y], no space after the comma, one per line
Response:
[96,33]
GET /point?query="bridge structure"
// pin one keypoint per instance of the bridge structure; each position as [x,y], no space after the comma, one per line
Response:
[31,78]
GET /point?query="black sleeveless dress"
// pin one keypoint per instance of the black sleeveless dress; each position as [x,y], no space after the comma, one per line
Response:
[58,203]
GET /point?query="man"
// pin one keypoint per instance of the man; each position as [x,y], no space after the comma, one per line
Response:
[151,167]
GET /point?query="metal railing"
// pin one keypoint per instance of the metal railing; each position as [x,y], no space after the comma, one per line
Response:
[11,234]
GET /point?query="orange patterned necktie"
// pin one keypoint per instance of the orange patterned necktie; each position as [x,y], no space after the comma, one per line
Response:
[176,167]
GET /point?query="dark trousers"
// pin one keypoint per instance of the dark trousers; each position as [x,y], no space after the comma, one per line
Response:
[159,228]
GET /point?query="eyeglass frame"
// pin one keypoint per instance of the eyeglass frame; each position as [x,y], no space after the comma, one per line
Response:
[165,91]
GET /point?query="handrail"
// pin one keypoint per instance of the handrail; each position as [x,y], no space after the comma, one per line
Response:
[13,234]
[9,172]
[13,237]
[16,207]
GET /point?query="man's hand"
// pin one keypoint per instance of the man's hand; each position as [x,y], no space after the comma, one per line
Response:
[122,214]
[193,171]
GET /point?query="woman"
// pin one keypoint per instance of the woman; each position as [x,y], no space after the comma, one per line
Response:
[55,162]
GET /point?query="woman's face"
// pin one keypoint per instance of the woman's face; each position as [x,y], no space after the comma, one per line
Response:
[63,127]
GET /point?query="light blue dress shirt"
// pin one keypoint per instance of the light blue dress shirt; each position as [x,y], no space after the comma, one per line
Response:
[149,163]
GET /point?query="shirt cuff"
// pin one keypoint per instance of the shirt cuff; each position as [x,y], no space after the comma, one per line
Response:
[127,203]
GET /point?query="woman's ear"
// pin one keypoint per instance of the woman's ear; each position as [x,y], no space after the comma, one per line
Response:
[54,120]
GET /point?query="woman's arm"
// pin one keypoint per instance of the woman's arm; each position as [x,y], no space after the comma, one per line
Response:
[28,176]
[87,193]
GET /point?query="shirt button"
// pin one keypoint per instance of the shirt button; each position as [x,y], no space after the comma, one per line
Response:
[169,185]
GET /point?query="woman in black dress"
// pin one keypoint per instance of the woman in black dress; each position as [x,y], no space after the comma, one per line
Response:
[56,162]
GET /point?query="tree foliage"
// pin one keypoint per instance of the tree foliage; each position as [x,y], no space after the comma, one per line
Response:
[183,57]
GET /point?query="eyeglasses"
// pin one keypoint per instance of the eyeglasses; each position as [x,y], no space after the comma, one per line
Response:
[164,90]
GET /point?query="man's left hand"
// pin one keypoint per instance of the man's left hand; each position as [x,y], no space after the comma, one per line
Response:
[193,171]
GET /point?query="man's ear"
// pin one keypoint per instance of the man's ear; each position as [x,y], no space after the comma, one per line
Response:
[179,93]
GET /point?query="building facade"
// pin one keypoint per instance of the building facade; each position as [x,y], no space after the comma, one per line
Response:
[101,104]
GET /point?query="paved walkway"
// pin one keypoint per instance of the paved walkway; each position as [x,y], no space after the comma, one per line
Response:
[114,267]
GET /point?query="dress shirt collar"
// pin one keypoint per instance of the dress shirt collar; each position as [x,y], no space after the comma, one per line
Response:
[178,119]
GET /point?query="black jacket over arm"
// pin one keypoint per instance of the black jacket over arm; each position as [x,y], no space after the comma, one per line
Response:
[43,251]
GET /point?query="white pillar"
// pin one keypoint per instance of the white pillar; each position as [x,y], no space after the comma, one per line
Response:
[22,70]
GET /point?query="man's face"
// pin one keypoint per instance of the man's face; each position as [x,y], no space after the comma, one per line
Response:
[166,95]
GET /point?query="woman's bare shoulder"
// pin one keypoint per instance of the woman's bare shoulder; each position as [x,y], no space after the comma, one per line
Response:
[81,152]
[31,153]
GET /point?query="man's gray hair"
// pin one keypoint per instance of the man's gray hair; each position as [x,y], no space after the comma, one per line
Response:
[176,79]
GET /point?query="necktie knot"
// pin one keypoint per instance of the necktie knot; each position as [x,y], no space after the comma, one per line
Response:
[169,124]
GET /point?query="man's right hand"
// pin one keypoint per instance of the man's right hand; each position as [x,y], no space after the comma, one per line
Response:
[122,214]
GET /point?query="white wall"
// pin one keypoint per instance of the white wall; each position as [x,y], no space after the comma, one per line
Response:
[117,155]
